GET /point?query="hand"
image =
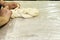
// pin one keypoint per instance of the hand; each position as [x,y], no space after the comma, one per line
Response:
[5,15]
[11,5]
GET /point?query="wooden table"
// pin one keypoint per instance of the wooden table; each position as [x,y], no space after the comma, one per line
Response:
[44,27]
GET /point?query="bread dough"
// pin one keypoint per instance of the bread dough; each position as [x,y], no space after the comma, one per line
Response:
[25,12]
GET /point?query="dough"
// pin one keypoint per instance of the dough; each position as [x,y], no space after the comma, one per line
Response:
[25,12]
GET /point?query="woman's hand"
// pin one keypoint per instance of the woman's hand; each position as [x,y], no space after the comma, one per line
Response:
[5,15]
[11,5]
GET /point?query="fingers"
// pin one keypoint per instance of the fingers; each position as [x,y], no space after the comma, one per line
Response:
[2,2]
[5,12]
[12,5]
[5,15]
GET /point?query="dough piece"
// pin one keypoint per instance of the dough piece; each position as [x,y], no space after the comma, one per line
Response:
[25,12]
[15,13]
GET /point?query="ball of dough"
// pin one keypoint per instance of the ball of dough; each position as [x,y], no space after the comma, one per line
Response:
[32,11]
[25,12]
[15,13]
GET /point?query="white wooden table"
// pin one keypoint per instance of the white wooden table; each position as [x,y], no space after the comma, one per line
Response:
[44,27]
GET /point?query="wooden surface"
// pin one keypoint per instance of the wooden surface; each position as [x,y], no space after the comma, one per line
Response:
[44,27]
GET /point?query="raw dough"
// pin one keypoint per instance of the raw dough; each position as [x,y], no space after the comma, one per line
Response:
[25,12]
